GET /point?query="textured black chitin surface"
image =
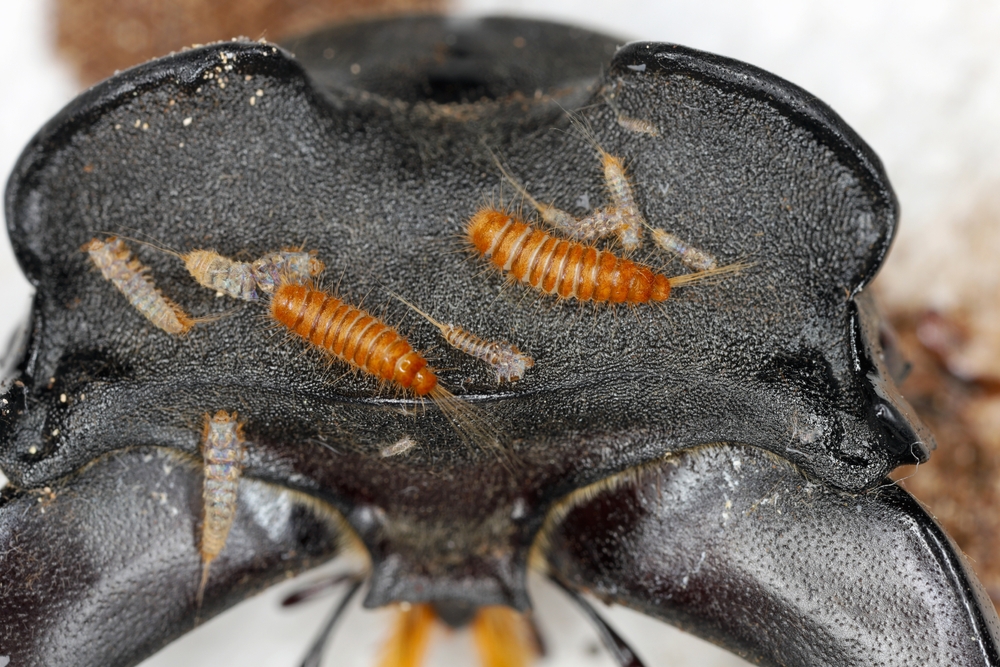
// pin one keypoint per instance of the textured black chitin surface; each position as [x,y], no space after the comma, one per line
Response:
[746,166]
[735,545]
[102,568]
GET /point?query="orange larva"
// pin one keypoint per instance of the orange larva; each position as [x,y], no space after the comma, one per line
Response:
[372,346]
[354,336]
[565,268]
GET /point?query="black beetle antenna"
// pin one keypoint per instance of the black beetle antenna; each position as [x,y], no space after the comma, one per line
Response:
[620,652]
[314,657]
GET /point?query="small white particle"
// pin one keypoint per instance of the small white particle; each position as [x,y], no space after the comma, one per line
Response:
[181,144]
[355,68]
[32,450]
[260,93]
[62,398]
[55,432]
[187,121]
[638,68]
[118,126]
[145,126]
[138,122]
[248,78]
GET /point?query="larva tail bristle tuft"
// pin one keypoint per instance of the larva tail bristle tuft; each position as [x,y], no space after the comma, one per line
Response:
[200,598]
[469,422]
[709,274]
[417,310]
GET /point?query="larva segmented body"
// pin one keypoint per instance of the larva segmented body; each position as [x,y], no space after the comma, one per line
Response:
[508,361]
[354,336]
[629,230]
[212,270]
[293,266]
[565,268]
[242,280]
[224,453]
[401,446]
[691,257]
[637,125]
[622,219]
[116,263]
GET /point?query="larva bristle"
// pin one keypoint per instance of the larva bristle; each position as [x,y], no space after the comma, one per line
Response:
[504,637]
[564,268]
[224,452]
[520,189]
[129,276]
[466,419]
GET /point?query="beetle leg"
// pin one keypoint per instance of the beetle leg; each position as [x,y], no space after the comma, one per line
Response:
[737,546]
[102,567]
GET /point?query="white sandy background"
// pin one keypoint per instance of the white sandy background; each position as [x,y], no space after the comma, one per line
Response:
[920,81]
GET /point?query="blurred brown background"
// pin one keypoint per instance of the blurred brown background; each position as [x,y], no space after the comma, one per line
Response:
[100,36]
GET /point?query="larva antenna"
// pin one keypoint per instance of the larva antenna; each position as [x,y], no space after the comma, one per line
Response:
[154,244]
[521,190]
[440,325]
[586,131]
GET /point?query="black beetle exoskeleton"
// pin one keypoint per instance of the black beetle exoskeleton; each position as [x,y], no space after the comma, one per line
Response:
[718,462]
